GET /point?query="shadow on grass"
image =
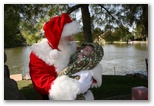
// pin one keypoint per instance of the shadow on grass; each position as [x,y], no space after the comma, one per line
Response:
[26,87]
[112,86]
[117,85]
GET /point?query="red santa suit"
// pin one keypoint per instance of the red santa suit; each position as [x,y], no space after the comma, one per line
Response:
[50,56]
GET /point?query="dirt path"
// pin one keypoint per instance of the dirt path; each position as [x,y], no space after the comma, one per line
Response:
[16,77]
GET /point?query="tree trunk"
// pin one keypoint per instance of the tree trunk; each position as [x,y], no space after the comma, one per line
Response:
[86,23]
[145,19]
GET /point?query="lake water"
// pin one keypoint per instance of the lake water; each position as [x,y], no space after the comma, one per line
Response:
[119,59]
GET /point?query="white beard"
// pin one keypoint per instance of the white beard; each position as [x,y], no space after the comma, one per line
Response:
[66,50]
[43,49]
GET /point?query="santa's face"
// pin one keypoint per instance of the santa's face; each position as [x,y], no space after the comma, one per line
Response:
[67,42]
[69,38]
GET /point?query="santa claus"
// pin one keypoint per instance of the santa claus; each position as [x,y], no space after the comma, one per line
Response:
[51,55]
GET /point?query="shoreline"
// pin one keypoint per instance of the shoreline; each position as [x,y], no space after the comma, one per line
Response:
[131,42]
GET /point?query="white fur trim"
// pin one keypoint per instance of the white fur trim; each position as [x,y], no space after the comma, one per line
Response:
[54,54]
[97,75]
[70,29]
[43,50]
[64,88]
[89,95]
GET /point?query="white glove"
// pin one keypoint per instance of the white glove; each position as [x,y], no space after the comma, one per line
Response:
[85,80]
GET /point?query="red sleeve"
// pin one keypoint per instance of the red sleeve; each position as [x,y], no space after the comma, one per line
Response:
[41,74]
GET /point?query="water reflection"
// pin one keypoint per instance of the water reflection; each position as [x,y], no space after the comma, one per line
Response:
[118,59]
[123,59]
[18,59]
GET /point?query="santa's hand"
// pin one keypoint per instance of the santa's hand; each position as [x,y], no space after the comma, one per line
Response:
[54,54]
[85,81]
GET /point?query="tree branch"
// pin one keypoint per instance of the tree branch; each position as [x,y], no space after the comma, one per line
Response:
[70,10]
[106,11]
[109,13]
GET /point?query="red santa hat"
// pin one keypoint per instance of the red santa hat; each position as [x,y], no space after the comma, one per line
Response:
[59,26]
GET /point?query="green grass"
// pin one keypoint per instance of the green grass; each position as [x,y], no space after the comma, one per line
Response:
[111,86]
[117,85]
[26,87]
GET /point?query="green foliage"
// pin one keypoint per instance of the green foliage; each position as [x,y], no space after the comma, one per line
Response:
[79,38]
[108,36]
[96,35]
[32,38]
[34,35]
[12,35]
[136,14]
[121,33]
[139,32]
[96,32]
[27,20]
[11,20]
[128,37]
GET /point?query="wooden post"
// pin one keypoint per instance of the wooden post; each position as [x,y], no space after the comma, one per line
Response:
[114,71]
[146,62]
